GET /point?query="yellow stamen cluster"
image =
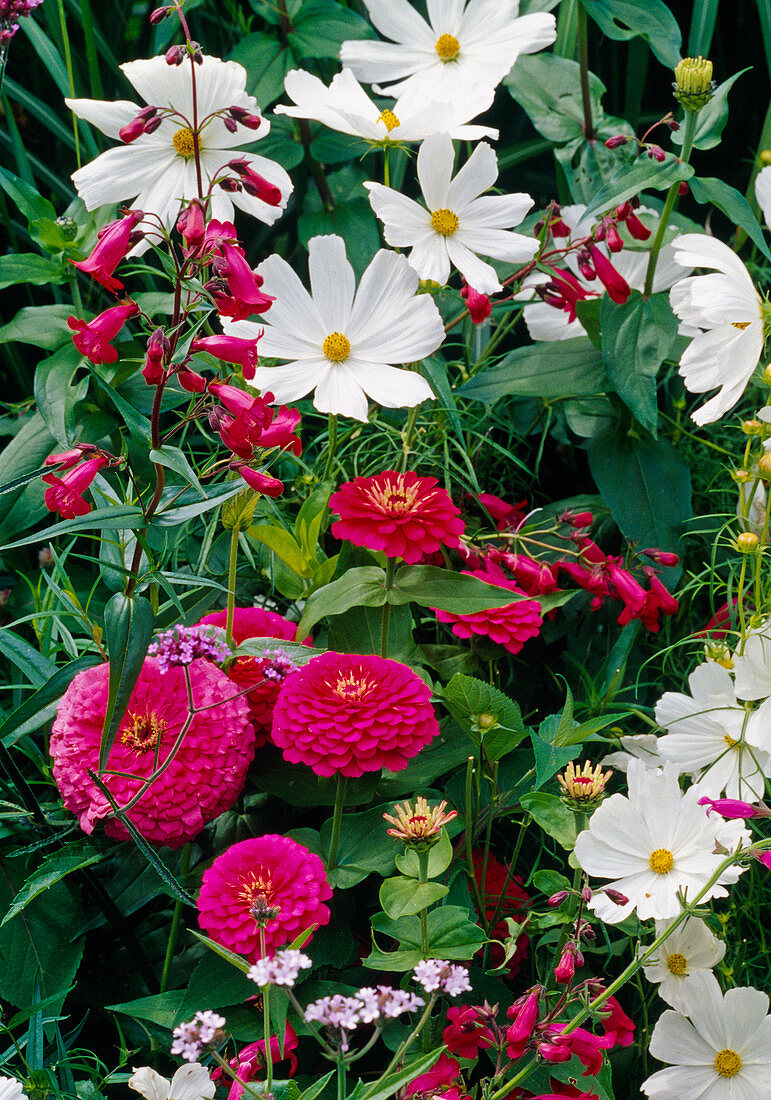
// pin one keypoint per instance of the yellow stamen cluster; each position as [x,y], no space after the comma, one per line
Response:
[396,499]
[336,347]
[389,120]
[353,688]
[583,787]
[693,86]
[448,47]
[732,742]
[422,824]
[184,142]
[727,1063]
[444,221]
[677,964]
[144,732]
[661,861]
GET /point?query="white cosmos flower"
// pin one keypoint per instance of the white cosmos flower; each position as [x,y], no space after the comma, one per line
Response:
[763,193]
[158,169]
[653,844]
[752,668]
[460,46]
[343,342]
[690,948]
[713,737]
[459,220]
[547,322]
[11,1089]
[636,746]
[190,1082]
[728,309]
[346,107]
[722,1052]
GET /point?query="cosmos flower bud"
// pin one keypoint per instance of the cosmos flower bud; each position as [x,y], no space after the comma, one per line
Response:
[747,542]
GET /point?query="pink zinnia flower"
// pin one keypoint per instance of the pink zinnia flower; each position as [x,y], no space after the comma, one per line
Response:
[270,872]
[403,515]
[510,626]
[205,776]
[92,338]
[349,714]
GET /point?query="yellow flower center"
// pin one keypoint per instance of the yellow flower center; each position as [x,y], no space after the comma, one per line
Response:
[661,861]
[741,325]
[389,119]
[184,142]
[448,47]
[444,221]
[353,688]
[677,963]
[727,1063]
[144,732]
[396,499]
[731,741]
[336,347]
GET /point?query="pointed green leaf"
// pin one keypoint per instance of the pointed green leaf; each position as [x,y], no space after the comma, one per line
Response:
[128,627]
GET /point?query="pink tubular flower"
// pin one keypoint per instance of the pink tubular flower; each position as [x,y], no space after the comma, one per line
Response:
[732,808]
[243,297]
[157,346]
[255,184]
[565,969]
[524,1014]
[658,601]
[65,460]
[478,304]
[617,287]
[250,1062]
[443,1072]
[618,1027]
[661,557]
[65,494]
[510,626]
[231,349]
[466,1035]
[270,874]
[265,674]
[114,241]
[347,714]
[280,432]
[403,515]
[583,1044]
[191,224]
[203,779]
[255,479]
[506,516]
[92,338]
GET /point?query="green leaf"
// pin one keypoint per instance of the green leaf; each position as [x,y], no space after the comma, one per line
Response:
[119,517]
[364,847]
[550,757]
[451,935]
[439,858]
[648,19]
[29,267]
[647,487]
[359,630]
[430,586]
[51,871]
[55,395]
[403,897]
[712,118]
[548,88]
[553,816]
[381,1090]
[238,961]
[128,627]
[567,368]
[35,666]
[322,26]
[285,546]
[297,653]
[168,516]
[137,424]
[636,339]
[174,459]
[266,62]
[25,197]
[316,1088]
[161,1008]
[467,698]
[633,178]
[214,984]
[733,204]
[54,684]
[362,586]
[550,882]
[353,220]
[43,326]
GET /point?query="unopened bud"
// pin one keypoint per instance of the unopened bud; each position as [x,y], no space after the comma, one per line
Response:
[661,557]
[153,124]
[68,227]
[656,153]
[230,125]
[246,118]
[683,189]
[636,228]
[616,897]
[159,15]
[175,55]
[765,157]
[586,894]
[616,141]
[747,542]
[693,86]
[613,239]
[558,898]
[262,911]
[752,427]
[764,466]
[623,211]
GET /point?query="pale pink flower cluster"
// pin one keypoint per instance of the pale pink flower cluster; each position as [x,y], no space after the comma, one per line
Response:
[440,976]
[282,969]
[191,1038]
[182,644]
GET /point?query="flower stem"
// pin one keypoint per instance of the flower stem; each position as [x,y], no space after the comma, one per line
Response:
[669,205]
[331,447]
[70,78]
[266,1021]
[583,62]
[92,53]
[469,841]
[407,435]
[341,1081]
[386,620]
[423,878]
[402,1050]
[232,569]
[176,920]
[337,818]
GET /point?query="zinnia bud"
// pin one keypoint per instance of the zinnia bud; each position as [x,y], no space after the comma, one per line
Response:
[693,86]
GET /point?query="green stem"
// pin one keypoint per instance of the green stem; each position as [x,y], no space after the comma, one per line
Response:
[337,818]
[266,1021]
[176,920]
[386,620]
[332,447]
[77,301]
[669,205]
[407,435]
[422,879]
[92,53]
[341,1081]
[469,842]
[583,62]
[402,1050]
[386,167]
[232,568]
[70,78]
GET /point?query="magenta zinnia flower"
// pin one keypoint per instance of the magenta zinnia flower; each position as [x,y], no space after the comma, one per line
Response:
[403,515]
[510,626]
[349,714]
[205,776]
[268,874]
